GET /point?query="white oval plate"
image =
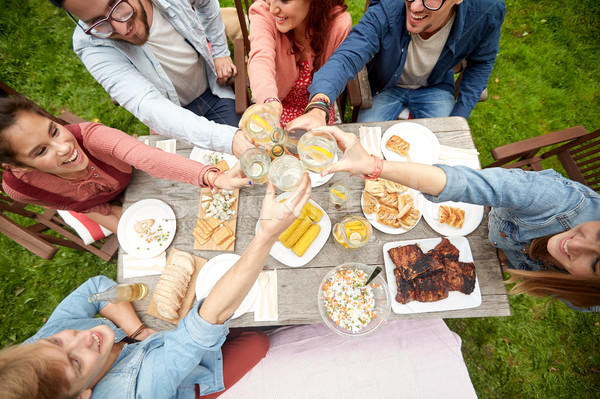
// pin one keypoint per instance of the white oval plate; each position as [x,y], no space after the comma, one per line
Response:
[132,242]
[289,258]
[424,145]
[455,299]
[372,217]
[212,271]
[473,217]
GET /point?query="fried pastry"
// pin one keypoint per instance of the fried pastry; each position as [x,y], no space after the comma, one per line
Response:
[389,200]
[393,187]
[452,216]
[388,216]
[398,145]
[375,187]
[369,202]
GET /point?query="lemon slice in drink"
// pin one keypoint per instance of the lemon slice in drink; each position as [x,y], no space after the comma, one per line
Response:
[258,124]
[257,169]
[319,149]
[339,194]
[355,238]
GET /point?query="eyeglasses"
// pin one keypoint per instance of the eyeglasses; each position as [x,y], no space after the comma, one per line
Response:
[432,5]
[120,12]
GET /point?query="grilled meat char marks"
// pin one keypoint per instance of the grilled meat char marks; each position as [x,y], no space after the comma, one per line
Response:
[428,277]
[460,276]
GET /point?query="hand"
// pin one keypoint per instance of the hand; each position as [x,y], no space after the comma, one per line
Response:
[269,107]
[240,144]
[311,120]
[232,179]
[225,69]
[277,107]
[275,216]
[355,159]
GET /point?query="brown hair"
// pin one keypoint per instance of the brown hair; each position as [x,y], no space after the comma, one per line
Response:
[10,108]
[25,373]
[317,25]
[581,291]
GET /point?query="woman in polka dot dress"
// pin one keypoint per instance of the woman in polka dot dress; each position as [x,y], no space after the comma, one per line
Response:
[289,41]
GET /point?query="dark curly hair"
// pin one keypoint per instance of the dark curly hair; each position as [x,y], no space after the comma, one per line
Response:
[10,108]
[317,24]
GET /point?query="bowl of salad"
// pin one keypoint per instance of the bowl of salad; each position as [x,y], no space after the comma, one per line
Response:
[348,306]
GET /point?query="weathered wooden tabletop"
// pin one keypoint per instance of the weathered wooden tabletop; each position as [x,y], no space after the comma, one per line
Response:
[297,287]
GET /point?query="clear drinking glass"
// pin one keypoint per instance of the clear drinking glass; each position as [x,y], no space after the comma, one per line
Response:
[286,172]
[258,121]
[316,149]
[352,231]
[339,192]
[255,163]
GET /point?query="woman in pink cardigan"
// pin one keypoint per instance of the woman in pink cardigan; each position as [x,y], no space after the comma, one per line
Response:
[289,41]
[85,167]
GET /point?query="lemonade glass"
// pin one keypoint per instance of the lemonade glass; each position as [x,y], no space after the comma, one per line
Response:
[255,163]
[258,121]
[286,172]
[339,192]
[316,149]
[352,231]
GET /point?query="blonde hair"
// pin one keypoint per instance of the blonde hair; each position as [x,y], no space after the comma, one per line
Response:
[25,372]
[581,291]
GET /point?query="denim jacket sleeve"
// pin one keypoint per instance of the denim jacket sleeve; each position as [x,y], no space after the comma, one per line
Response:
[209,13]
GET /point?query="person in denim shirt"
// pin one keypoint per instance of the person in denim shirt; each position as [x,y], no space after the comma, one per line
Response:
[392,32]
[548,226]
[77,355]
[166,62]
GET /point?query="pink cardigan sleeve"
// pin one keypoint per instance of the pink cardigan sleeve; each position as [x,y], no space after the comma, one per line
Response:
[112,145]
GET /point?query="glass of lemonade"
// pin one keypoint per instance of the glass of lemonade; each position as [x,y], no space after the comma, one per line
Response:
[255,163]
[352,231]
[258,121]
[316,149]
[286,172]
[339,192]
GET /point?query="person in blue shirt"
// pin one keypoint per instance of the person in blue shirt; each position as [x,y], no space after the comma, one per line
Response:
[77,355]
[410,49]
[548,226]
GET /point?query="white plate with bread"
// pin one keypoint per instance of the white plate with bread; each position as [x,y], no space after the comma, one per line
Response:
[408,141]
[452,218]
[212,272]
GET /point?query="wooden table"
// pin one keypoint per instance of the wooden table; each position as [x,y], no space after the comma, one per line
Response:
[297,287]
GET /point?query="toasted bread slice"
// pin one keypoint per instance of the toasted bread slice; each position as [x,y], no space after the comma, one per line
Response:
[183,260]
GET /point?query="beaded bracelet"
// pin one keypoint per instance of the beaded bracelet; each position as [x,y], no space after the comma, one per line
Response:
[271,99]
[211,185]
[324,100]
[378,169]
[205,172]
[318,105]
[138,331]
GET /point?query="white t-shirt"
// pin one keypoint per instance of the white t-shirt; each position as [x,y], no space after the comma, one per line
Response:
[178,58]
[422,56]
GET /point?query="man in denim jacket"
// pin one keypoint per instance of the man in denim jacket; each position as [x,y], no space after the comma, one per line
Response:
[87,357]
[410,51]
[166,62]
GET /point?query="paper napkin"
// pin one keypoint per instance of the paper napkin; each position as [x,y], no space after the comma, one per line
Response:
[370,139]
[137,267]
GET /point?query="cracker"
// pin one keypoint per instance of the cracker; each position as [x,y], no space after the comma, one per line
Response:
[222,165]
[228,241]
[221,234]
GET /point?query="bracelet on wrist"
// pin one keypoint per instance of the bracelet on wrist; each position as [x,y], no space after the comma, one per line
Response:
[138,331]
[377,170]
[323,99]
[271,99]
[211,184]
[317,105]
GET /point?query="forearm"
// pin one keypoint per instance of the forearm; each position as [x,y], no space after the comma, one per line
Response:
[123,315]
[424,178]
[232,288]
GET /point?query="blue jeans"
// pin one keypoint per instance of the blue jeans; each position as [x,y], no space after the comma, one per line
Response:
[425,102]
[216,109]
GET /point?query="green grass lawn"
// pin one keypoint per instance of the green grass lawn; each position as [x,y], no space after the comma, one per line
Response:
[546,78]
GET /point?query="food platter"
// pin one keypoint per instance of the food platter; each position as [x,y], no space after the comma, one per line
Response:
[424,145]
[455,300]
[156,238]
[212,272]
[208,157]
[473,217]
[286,256]
[372,217]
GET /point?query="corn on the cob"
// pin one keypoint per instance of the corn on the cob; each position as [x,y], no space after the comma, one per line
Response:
[307,238]
[313,212]
[297,233]
[284,236]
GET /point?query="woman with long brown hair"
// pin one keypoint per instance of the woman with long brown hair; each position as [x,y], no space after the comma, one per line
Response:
[548,226]
[289,41]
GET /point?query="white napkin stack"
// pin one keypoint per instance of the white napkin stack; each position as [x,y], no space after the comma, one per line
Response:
[169,145]
[459,156]
[370,139]
[270,310]
[138,267]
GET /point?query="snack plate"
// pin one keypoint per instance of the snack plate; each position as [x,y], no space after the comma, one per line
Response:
[204,156]
[133,243]
[424,145]
[212,272]
[473,217]
[456,300]
[372,217]
[286,256]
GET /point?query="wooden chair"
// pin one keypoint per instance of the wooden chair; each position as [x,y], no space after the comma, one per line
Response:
[33,233]
[578,151]
[357,93]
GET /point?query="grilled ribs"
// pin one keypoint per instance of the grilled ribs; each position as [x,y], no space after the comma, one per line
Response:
[460,276]
[410,260]
[431,287]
